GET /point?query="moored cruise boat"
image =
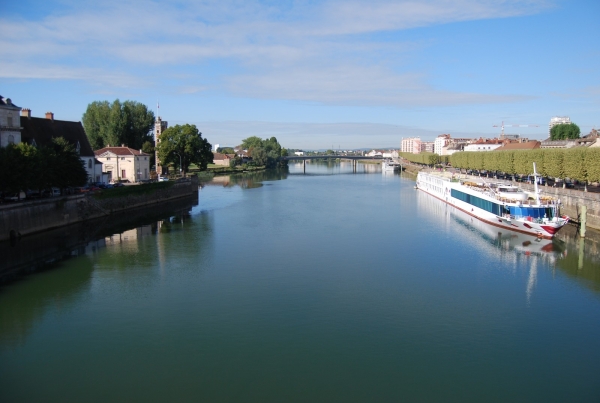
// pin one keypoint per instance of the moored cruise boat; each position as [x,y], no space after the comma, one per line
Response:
[503,205]
[389,165]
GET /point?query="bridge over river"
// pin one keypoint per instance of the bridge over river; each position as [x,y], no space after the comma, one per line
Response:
[353,158]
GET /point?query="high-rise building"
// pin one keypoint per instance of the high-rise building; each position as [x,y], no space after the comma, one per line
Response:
[427,146]
[440,142]
[411,145]
[558,120]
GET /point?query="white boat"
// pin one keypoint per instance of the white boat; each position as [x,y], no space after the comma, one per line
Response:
[503,205]
[389,165]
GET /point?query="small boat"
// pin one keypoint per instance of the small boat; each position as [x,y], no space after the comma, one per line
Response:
[389,165]
[503,205]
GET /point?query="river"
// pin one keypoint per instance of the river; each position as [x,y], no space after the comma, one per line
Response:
[329,286]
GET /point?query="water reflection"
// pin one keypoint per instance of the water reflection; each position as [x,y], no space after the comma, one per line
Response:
[74,260]
[40,251]
[575,257]
[331,167]
[55,291]
[250,180]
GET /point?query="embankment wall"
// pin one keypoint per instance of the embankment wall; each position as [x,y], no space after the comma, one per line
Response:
[41,215]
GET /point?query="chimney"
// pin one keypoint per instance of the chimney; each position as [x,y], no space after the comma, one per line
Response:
[50,115]
[26,113]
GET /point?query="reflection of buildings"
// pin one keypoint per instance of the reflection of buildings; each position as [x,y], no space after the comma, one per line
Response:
[222,180]
[128,236]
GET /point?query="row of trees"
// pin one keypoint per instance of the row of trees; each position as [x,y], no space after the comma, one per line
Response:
[117,123]
[57,164]
[582,164]
[425,158]
[267,152]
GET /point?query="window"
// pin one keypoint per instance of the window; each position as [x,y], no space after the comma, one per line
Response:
[78,147]
[9,121]
[123,175]
[108,158]
[90,163]
[11,139]
[478,202]
[122,158]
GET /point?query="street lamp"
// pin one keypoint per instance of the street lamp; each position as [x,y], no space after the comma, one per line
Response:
[180,165]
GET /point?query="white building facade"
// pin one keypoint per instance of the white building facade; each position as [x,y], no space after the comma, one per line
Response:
[440,142]
[124,163]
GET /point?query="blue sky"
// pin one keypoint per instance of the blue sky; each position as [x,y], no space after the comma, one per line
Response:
[314,74]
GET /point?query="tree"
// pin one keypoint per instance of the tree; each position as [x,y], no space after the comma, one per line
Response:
[11,179]
[553,163]
[226,150]
[565,131]
[128,123]
[252,142]
[67,166]
[259,157]
[139,122]
[57,164]
[271,147]
[96,123]
[148,148]
[592,164]
[183,145]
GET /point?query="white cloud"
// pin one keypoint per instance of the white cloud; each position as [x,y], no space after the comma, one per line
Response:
[306,51]
[318,135]
[354,85]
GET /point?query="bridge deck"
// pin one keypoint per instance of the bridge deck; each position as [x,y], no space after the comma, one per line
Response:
[319,157]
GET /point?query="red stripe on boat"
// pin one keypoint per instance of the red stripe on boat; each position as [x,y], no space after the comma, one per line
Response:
[549,229]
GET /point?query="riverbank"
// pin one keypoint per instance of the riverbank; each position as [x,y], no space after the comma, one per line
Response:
[18,220]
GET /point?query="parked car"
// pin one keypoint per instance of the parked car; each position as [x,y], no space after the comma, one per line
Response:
[52,192]
[33,194]
[163,179]
[15,196]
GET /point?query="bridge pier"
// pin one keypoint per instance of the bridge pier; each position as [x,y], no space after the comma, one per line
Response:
[304,165]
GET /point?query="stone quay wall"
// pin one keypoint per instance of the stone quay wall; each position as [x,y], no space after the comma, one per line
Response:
[29,217]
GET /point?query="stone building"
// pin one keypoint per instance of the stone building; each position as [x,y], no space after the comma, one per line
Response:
[10,124]
[124,164]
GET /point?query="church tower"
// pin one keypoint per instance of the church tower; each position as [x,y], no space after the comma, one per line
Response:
[159,127]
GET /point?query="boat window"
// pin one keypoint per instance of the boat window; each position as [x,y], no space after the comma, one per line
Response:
[533,212]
